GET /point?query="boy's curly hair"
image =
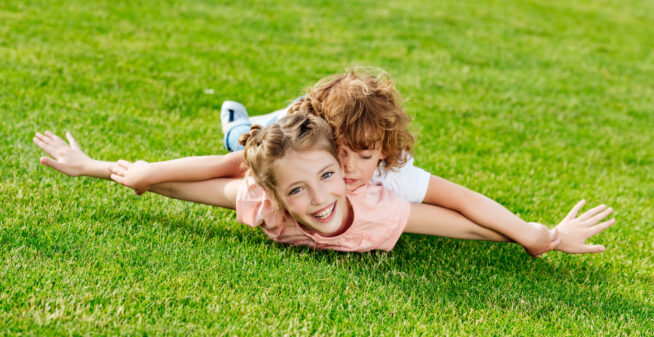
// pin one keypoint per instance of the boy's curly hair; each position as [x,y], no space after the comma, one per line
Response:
[364,110]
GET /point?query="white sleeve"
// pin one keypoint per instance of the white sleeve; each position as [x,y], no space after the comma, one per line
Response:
[409,182]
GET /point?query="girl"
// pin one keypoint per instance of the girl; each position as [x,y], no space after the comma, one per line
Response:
[300,197]
[371,131]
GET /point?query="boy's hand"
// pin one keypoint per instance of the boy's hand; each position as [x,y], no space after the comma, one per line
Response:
[132,175]
[574,231]
[68,159]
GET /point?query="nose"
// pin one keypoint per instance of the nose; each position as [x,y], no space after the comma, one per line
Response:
[318,195]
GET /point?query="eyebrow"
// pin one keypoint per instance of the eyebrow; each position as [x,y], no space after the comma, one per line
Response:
[321,170]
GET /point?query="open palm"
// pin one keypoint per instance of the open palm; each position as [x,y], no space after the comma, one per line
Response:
[67,159]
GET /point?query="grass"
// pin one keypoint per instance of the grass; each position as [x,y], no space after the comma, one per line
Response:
[536,104]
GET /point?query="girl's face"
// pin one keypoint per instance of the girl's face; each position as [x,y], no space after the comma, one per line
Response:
[310,187]
[358,166]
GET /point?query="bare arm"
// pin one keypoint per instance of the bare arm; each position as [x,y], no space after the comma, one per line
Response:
[569,236]
[535,238]
[435,220]
[72,161]
[141,177]
[216,192]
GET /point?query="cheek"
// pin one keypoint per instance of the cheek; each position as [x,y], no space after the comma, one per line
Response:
[336,186]
[370,168]
[295,205]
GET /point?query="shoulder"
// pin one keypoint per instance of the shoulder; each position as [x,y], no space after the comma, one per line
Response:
[380,217]
[376,199]
[255,208]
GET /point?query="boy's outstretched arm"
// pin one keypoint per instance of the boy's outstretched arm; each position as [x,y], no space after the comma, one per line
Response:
[216,192]
[69,159]
[440,221]
[534,237]
[143,175]
[72,161]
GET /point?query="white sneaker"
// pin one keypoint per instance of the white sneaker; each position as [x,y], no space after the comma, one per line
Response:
[231,111]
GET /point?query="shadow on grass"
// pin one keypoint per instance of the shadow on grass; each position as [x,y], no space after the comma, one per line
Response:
[483,275]
[432,270]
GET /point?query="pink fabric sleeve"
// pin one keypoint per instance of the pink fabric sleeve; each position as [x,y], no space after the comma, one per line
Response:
[251,204]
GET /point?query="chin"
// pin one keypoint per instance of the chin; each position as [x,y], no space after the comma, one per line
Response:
[332,226]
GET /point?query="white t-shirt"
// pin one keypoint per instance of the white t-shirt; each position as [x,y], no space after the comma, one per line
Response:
[409,182]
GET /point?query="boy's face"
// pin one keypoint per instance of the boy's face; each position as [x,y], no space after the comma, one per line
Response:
[358,166]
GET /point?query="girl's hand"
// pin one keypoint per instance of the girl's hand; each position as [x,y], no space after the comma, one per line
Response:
[574,231]
[68,159]
[544,241]
[132,175]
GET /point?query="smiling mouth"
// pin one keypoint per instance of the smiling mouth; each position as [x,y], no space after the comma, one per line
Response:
[326,214]
[349,181]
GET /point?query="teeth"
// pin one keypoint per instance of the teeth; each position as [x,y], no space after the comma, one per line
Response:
[324,214]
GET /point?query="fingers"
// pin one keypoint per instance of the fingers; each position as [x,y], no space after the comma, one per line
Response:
[50,163]
[599,216]
[591,212]
[575,209]
[54,138]
[43,138]
[554,237]
[118,178]
[118,170]
[43,145]
[72,141]
[597,229]
[124,164]
[592,249]
[49,143]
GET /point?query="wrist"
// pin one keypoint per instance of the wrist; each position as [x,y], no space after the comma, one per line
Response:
[148,175]
[87,168]
[536,236]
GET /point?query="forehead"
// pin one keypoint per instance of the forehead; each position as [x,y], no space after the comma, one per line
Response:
[364,136]
[345,146]
[297,166]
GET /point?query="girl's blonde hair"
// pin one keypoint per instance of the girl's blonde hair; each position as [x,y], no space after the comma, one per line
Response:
[298,132]
[363,107]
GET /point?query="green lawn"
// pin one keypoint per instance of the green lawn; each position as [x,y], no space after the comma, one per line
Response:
[536,104]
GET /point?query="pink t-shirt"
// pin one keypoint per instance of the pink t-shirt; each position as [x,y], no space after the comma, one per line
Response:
[379,219]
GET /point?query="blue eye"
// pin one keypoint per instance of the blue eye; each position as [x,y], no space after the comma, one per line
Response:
[327,175]
[295,191]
